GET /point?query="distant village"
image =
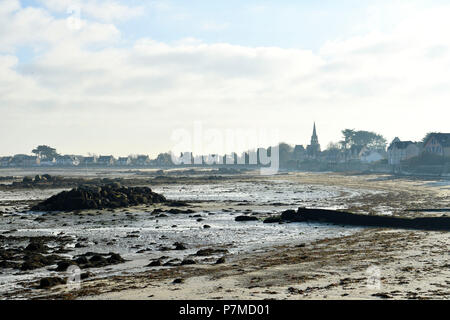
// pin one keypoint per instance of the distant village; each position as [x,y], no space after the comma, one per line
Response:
[357,151]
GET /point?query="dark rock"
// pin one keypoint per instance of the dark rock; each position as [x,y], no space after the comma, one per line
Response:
[86,275]
[206,226]
[156,211]
[188,262]
[274,219]
[64,265]
[36,246]
[36,261]
[27,180]
[179,246]
[246,218]
[108,196]
[155,263]
[81,260]
[9,265]
[179,211]
[172,263]
[49,282]
[210,251]
[382,295]
[115,258]
[98,260]
[220,260]
[293,290]
[346,218]
[177,204]
[178,281]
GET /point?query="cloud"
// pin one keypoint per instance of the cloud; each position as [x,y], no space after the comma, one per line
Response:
[37,28]
[87,93]
[101,10]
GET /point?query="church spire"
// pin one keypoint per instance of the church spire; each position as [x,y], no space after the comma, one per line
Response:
[314,138]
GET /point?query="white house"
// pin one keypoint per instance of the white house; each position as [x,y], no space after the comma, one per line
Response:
[368,155]
[402,150]
[66,160]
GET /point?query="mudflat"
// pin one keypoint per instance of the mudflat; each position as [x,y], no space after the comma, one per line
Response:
[250,259]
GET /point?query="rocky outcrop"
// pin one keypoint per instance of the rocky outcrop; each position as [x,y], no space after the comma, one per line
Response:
[91,260]
[99,197]
[346,218]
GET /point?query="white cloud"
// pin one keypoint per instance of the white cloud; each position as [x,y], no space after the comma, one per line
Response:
[116,99]
[37,28]
[101,10]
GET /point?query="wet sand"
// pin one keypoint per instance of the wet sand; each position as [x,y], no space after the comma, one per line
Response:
[410,264]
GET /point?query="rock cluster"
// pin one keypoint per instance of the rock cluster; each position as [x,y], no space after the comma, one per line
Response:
[91,260]
[99,197]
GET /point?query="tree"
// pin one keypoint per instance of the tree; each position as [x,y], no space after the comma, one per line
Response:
[285,152]
[427,136]
[333,146]
[348,138]
[45,152]
[362,138]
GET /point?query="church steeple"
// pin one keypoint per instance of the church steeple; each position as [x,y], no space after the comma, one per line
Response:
[313,150]
[314,138]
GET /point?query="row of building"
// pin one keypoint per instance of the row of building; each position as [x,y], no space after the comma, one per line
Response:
[398,151]
[22,160]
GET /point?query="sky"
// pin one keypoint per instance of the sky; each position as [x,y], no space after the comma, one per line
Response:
[132,77]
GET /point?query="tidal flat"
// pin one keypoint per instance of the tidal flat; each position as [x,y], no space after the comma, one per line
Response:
[200,251]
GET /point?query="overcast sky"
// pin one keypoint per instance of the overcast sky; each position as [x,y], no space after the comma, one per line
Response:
[122,76]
